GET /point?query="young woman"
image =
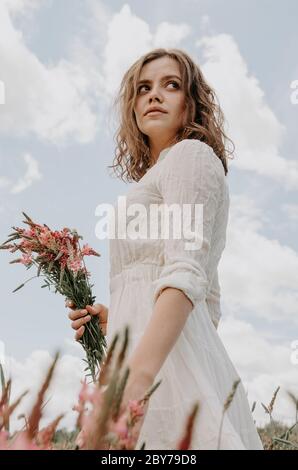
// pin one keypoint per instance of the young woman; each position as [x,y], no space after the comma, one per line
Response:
[172,144]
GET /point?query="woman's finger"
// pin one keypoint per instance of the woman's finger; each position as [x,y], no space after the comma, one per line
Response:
[100,310]
[81,321]
[96,310]
[70,304]
[75,314]
[79,333]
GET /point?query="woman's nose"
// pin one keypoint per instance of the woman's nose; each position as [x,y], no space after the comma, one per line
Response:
[155,94]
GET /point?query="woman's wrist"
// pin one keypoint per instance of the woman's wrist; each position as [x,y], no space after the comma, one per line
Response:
[139,374]
[138,384]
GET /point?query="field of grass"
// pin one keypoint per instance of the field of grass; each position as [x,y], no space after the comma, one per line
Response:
[65,440]
[109,425]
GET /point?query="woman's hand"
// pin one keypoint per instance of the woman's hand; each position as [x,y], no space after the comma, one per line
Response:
[81,317]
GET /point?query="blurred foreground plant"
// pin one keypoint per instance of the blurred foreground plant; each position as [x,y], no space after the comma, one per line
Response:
[103,421]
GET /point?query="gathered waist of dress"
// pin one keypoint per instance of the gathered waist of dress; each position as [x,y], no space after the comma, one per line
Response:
[135,272]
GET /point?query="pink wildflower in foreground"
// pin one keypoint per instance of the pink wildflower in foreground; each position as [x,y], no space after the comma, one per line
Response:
[136,409]
[100,427]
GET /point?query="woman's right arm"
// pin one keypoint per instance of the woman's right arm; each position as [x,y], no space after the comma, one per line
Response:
[81,317]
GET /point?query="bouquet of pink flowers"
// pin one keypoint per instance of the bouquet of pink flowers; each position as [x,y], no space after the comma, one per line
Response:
[60,260]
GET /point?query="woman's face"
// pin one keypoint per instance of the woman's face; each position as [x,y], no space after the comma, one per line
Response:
[163,88]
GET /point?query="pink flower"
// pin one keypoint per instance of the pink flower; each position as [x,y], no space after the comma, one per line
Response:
[136,409]
[4,436]
[26,244]
[44,237]
[74,265]
[65,231]
[29,233]
[120,427]
[22,442]
[88,251]
[26,259]
[86,392]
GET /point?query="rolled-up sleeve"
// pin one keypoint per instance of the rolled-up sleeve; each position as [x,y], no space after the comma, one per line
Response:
[189,176]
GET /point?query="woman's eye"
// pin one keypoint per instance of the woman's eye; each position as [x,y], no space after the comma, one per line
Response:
[175,83]
[167,84]
[141,87]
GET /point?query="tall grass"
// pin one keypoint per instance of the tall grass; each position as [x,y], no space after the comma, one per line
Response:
[103,423]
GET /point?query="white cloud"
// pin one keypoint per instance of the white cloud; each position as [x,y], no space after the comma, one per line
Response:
[32,174]
[62,394]
[21,6]
[122,48]
[259,275]
[170,35]
[252,125]
[262,366]
[129,37]
[53,101]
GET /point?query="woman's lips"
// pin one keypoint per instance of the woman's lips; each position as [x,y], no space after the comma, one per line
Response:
[153,113]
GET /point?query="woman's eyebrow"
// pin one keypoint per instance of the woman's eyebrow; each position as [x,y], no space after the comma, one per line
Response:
[163,78]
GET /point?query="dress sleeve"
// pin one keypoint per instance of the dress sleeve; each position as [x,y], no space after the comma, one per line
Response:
[190,175]
[213,300]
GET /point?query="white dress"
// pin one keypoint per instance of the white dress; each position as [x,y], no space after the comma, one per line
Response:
[198,367]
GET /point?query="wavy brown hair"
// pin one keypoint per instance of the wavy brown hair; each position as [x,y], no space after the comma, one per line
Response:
[204,118]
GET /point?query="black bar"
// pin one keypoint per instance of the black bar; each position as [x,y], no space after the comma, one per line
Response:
[133,459]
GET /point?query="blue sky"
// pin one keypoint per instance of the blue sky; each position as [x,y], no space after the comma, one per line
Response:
[61,62]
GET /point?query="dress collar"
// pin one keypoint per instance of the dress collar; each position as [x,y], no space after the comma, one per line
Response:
[163,154]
